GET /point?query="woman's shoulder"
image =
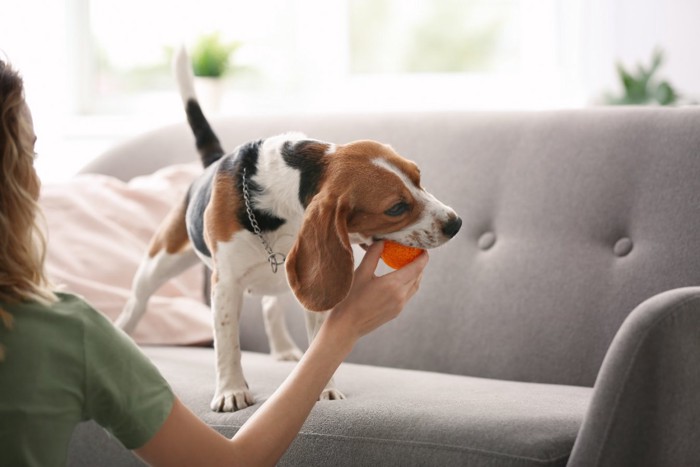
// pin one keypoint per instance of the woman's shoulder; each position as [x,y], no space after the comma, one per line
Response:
[76,307]
[69,310]
[71,301]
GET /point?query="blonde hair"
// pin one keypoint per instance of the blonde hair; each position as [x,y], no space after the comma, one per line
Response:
[22,242]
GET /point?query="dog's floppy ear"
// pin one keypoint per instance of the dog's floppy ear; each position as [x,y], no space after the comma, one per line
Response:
[320,265]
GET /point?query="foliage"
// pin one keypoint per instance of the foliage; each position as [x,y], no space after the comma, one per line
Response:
[641,88]
[439,36]
[211,56]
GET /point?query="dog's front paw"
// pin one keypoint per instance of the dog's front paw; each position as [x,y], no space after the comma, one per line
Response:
[331,394]
[231,400]
[290,355]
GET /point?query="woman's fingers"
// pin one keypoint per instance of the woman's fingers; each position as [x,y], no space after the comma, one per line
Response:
[371,260]
[412,271]
[406,280]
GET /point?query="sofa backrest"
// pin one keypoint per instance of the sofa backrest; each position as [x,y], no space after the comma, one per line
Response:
[571,219]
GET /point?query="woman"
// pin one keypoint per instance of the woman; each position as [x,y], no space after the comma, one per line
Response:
[62,362]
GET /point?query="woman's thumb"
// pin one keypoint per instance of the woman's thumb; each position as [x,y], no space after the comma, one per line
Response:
[371,259]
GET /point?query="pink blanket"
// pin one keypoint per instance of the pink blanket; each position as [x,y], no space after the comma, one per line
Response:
[98,231]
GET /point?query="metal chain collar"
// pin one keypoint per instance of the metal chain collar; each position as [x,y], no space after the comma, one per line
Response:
[275,259]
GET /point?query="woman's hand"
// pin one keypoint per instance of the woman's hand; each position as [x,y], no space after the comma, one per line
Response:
[373,301]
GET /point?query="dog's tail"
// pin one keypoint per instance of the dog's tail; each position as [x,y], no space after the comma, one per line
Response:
[208,144]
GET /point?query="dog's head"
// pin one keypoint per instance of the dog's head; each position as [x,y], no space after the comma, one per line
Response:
[367,192]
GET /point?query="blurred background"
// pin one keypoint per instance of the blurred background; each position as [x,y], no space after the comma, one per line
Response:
[98,71]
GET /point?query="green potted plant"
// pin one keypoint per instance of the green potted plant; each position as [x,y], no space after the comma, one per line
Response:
[211,60]
[641,88]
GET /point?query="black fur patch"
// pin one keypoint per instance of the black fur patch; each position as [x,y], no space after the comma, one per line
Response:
[199,194]
[198,197]
[307,158]
[207,143]
[247,157]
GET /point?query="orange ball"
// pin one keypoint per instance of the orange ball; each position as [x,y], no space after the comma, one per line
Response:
[397,256]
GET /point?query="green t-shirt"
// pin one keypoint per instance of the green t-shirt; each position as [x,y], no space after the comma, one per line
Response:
[66,363]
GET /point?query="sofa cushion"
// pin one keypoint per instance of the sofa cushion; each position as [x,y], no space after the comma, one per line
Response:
[398,417]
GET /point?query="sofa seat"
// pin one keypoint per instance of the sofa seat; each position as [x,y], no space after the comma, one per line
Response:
[432,418]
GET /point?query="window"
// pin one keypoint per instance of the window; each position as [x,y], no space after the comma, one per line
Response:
[129,57]
[440,36]
[315,55]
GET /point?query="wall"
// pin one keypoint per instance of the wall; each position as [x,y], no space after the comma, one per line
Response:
[629,30]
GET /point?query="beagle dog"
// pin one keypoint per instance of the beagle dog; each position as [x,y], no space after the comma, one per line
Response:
[286,200]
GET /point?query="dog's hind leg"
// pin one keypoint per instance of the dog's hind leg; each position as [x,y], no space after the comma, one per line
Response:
[169,254]
[314,320]
[152,273]
[282,347]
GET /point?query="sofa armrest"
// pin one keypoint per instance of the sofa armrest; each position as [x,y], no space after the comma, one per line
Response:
[645,408]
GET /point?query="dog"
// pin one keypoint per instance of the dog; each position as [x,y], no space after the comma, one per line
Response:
[289,201]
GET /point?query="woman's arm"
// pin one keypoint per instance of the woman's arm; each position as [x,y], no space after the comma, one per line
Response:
[185,440]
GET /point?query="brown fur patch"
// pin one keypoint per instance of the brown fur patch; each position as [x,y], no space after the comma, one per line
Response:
[353,197]
[221,215]
[320,264]
[371,189]
[171,235]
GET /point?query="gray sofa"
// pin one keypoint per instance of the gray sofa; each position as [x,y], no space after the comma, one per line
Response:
[560,327]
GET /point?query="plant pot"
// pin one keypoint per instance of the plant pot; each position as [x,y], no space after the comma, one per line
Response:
[210,92]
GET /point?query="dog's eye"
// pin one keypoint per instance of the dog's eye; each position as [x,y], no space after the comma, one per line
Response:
[397,209]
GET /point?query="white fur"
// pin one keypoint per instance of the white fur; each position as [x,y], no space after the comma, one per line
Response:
[182,68]
[151,274]
[281,182]
[282,346]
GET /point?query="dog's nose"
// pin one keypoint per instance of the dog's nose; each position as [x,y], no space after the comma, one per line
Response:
[452,226]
